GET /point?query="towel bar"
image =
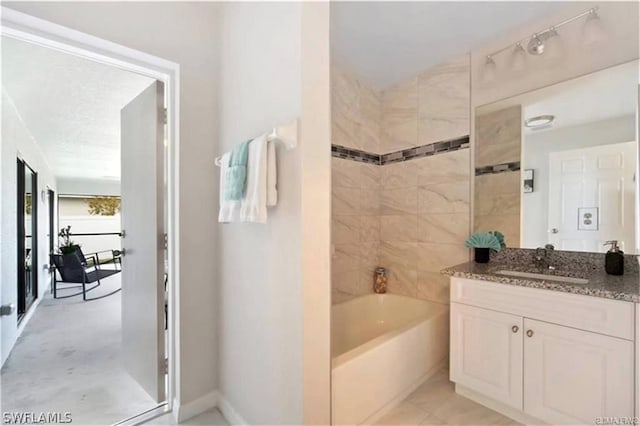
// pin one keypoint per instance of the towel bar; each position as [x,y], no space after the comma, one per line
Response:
[286,134]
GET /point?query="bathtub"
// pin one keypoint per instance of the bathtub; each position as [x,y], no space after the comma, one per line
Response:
[383,347]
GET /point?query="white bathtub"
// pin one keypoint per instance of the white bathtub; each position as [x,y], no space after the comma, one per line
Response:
[383,347]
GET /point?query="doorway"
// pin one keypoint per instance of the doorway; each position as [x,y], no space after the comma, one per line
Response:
[162,140]
[27,230]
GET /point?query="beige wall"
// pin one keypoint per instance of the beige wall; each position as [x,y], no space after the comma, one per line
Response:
[411,217]
[186,33]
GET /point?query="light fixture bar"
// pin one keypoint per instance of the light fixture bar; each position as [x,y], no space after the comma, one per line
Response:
[546,30]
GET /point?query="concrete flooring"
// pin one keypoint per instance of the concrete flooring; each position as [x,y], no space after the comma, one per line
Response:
[68,360]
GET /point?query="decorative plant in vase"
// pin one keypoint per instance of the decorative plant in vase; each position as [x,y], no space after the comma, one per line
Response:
[484,242]
[66,245]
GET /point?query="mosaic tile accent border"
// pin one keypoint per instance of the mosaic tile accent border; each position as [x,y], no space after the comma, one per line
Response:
[399,156]
[340,151]
[498,168]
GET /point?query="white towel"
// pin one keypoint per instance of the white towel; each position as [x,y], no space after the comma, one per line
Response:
[261,185]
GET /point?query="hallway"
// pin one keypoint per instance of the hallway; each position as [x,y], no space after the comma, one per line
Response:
[68,360]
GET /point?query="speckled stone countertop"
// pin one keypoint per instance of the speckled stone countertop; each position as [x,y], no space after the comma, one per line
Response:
[589,266]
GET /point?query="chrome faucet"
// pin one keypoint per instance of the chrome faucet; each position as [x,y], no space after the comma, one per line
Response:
[541,258]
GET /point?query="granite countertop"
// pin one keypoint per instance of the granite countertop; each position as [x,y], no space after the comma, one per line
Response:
[624,287]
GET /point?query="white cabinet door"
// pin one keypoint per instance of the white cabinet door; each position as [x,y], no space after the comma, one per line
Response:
[486,352]
[573,376]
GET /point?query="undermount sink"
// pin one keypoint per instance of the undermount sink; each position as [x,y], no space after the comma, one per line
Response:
[546,277]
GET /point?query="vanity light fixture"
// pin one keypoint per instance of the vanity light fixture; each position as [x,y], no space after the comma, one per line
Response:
[518,58]
[489,70]
[548,40]
[539,122]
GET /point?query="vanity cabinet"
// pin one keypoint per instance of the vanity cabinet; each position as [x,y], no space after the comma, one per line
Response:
[512,348]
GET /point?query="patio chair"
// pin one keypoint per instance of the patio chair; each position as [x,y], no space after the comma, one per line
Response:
[78,268]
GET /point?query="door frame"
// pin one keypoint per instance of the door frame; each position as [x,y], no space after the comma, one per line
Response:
[27,28]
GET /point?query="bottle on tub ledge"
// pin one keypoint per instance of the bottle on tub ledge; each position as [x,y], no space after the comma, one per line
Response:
[483,243]
[380,280]
[614,259]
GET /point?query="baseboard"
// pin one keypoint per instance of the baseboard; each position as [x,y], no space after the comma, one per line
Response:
[230,413]
[501,408]
[404,394]
[182,412]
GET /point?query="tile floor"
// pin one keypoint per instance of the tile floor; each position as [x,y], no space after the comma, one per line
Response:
[436,403]
[208,418]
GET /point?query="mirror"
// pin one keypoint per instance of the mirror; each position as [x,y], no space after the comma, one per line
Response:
[558,165]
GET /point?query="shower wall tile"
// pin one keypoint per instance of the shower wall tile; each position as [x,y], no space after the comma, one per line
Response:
[444,198]
[399,201]
[444,102]
[399,175]
[449,228]
[400,116]
[410,216]
[444,168]
[498,136]
[345,201]
[497,205]
[399,227]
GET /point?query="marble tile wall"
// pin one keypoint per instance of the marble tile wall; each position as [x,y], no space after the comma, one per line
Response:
[424,221]
[412,216]
[497,195]
[430,107]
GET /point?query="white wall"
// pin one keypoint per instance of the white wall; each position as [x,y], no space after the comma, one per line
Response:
[263,281]
[537,147]
[17,141]
[186,33]
[80,186]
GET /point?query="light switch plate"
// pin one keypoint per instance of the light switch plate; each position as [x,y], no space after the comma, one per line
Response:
[588,219]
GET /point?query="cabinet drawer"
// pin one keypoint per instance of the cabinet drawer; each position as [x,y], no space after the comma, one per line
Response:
[599,315]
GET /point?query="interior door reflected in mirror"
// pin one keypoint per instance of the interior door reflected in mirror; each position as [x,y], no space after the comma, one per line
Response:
[558,165]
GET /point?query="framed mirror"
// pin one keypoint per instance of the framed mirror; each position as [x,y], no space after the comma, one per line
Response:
[558,165]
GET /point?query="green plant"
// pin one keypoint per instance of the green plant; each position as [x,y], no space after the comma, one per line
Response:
[484,240]
[66,246]
[104,206]
[500,236]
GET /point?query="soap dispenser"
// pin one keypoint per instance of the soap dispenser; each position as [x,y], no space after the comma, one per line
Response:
[614,259]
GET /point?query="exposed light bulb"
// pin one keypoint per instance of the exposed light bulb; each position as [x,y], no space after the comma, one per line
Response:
[593,32]
[518,59]
[536,45]
[489,70]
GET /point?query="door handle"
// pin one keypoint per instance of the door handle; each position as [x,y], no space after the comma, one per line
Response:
[120,252]
[515,328]
[529,333]
[554,230]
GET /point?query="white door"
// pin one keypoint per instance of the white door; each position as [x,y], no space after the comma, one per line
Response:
[573,376]
[142,138]
[599,178]
[486,352]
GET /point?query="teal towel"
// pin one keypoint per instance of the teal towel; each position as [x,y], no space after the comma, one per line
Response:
[236,177]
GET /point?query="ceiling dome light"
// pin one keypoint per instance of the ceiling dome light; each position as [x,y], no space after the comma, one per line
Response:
[593,32]
[518,59]
[489,70]
[539,122]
